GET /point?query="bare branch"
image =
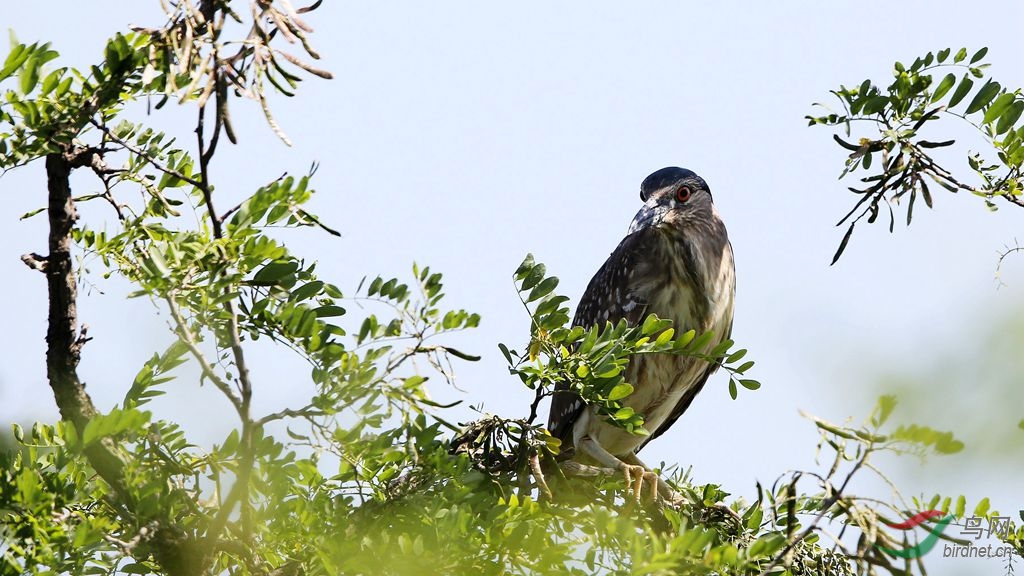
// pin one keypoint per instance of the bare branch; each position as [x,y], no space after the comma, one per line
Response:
[35,261]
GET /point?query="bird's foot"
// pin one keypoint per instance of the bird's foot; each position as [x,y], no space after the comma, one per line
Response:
[640,479]
[637,474]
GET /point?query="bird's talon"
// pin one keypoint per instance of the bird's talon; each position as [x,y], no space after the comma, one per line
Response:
[636,479]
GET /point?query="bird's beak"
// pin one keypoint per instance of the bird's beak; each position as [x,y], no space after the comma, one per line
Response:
[652,213]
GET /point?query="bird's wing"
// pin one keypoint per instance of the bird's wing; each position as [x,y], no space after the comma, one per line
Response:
[683,403]
[608,298]
[687,398]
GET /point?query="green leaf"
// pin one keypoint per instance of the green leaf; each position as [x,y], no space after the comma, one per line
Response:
[961,91]
[665,337]
[653,324]
[624,413]
[525,267]
[684,340]
[505,352]
[329,311]
[979,55]
[983,97]
[755,518]
[942,55]
[961,504]
[533,277]
[1001,103]
[274,272]
[32,213]
[1010,117]
[700,342]
[543,289]
[736,356]
[767,545]
[15,59]
[884,408]
[30,74]
[733,393]
[721,348]
[982,508]
[960,55]
[620,391]
[944,86]
[875,104]
[158,261]
[750,384]
[306,291]
[744,367]
[50,82]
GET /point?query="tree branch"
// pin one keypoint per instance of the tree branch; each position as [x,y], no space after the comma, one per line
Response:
[171,546]
[63,342]
[183,332]
[243,405]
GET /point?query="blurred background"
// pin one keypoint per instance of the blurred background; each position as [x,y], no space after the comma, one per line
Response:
[463,135]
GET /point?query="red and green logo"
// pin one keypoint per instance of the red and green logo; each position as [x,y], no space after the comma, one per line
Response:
[925,545]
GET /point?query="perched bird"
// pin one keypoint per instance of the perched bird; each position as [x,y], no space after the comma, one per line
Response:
[675,261]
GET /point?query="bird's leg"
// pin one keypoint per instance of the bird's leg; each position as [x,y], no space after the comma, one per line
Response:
[635,474]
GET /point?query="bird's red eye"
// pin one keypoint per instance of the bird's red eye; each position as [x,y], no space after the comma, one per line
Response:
[684,193]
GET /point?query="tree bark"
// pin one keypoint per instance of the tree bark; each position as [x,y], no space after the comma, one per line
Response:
[63,340]
[63,344]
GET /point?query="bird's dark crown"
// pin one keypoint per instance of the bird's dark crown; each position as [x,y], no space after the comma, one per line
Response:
[668,177]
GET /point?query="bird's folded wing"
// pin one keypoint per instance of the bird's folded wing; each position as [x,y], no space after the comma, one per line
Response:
[611,296]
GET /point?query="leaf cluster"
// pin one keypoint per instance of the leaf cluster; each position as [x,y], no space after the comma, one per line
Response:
[895,120]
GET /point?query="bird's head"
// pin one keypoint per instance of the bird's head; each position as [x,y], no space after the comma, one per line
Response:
[673,197]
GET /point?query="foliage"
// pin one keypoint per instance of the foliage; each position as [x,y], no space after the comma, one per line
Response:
[365,475]
[896,118]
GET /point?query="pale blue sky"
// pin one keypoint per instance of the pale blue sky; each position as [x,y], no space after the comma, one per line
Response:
[463,135]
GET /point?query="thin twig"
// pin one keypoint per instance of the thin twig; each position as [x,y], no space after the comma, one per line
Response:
[145,156]
[306,412]
[186,336]
[1002,257]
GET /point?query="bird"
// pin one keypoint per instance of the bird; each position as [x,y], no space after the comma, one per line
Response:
[676,261]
